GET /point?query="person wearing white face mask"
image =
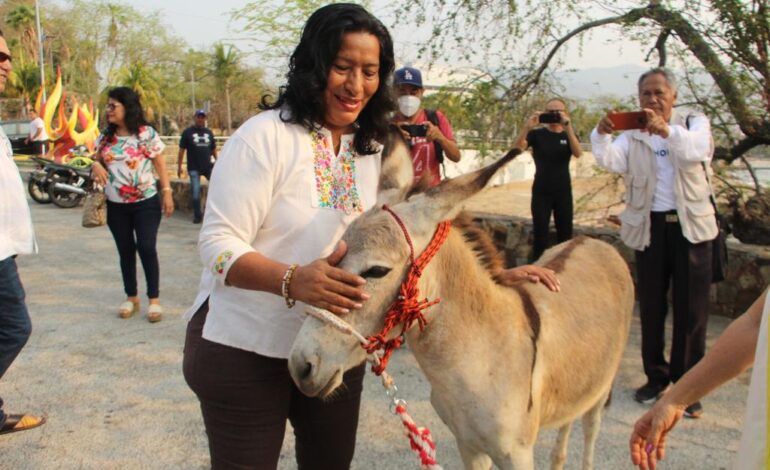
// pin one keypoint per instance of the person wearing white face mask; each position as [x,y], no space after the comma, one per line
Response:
[428,132]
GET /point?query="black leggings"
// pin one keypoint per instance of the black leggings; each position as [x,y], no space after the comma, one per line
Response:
[246,399]
[143,219]
[543,203]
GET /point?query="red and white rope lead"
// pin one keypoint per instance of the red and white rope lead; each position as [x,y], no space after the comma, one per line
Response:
[420,439]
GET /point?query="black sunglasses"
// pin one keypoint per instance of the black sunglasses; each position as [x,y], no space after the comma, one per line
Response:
[4,57]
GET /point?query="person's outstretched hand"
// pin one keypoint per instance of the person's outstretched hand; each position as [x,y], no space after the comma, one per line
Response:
[648,440]
[323,285]
[532,273]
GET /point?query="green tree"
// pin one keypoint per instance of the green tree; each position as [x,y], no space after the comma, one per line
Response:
[225,64]
[99,44]
[275,27]
[143,80]
[726,39]
[25,80]
[22,20]
[118,18]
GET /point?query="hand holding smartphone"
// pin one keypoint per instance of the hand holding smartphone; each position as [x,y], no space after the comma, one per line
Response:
[549,117]
[415,130]
[630,120]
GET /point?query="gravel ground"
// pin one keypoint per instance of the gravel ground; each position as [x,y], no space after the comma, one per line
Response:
[116,399]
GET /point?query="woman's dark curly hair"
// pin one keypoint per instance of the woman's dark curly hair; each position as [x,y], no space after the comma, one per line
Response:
[303,93]
[134,113]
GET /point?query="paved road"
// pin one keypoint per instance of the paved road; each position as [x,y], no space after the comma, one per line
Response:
[116,399]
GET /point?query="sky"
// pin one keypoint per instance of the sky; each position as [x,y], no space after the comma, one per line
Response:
[204,22]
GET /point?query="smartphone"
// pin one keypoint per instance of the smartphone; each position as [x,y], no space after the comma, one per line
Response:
[549,117]
[625,121]
[415,130]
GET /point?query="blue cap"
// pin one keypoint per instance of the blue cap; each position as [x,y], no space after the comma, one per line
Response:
[200,112]
[407,76]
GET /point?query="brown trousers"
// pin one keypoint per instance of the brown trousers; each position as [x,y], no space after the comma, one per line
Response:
[246,399]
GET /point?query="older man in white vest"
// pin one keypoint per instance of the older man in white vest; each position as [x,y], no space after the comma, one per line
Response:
[670,221]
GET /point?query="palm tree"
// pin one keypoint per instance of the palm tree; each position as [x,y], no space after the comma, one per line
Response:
[25,80]
[225,64]
[22,19]
[142,80]
[119,17]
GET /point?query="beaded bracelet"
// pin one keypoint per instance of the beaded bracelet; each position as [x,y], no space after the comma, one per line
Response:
[285,282]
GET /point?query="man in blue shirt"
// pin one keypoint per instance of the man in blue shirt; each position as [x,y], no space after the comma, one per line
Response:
[201,147]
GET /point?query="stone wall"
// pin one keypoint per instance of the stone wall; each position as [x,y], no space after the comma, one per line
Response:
[181,191]
[748,268]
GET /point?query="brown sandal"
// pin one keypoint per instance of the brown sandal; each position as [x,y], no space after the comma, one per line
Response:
[154,313]
[127,309]
[16,423]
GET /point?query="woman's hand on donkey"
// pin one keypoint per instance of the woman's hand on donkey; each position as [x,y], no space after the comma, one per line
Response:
[531,273]
[323,285]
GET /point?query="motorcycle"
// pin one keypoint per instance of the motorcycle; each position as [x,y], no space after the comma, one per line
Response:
[40,179]
[68,187]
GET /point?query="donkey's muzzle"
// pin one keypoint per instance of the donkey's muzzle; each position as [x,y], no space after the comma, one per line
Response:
[303,370]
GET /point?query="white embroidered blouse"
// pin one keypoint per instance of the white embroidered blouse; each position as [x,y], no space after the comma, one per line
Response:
[279,190]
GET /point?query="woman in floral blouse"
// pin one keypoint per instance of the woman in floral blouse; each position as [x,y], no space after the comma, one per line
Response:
[127,153]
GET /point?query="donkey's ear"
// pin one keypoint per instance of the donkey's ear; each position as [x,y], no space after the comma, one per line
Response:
[451,194]
[397,174]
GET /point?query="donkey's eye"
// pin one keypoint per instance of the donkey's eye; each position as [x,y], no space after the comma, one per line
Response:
[375,272]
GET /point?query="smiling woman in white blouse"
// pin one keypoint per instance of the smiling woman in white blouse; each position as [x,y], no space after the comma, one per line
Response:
[286,186]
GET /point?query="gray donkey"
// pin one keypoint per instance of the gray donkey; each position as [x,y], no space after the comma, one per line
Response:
[502,362]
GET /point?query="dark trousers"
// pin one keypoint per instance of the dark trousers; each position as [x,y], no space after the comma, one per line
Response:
[670,257]
[39,147]
[15,325]
[246,399]
[135,229]
[543,204]
[195,190]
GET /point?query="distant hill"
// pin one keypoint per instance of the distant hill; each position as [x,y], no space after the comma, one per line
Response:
[580,84]
[618,81]
[593,82]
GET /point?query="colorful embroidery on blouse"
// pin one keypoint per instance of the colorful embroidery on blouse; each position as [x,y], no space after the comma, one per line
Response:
[335,175]
[129,163]
[222,259]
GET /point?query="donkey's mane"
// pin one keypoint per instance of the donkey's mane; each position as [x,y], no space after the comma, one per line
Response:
[556,263]
[480,243]
[490,257]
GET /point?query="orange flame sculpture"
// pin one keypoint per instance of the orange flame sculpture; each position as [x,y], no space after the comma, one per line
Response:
[66,135]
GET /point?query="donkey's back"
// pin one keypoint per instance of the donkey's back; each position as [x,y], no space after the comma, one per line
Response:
[583,329]
[537,359]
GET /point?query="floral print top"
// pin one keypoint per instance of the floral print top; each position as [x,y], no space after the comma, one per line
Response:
[129,163]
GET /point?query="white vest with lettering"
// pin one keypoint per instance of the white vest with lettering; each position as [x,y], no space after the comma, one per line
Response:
[691,189]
